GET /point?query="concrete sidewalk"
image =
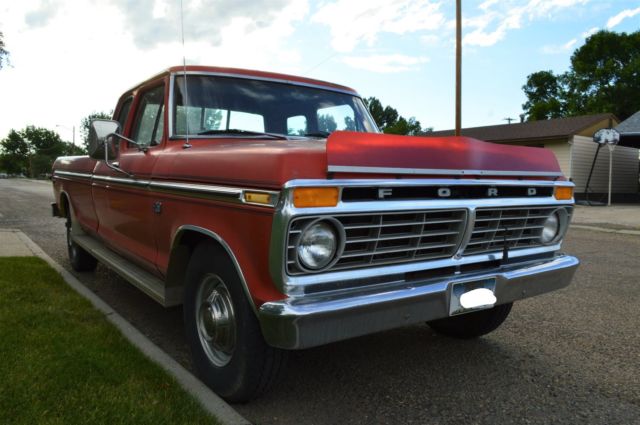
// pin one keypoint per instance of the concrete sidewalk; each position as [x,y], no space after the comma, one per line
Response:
[14,243]
[615,217]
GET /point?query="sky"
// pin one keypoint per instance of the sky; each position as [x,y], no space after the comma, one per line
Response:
[71,58]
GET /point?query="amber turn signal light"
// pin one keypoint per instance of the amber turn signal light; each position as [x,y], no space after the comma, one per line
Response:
[306,197]
[563,193]
[258,198]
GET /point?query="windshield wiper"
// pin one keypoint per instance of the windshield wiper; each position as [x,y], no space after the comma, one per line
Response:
[244,133]
[324,134]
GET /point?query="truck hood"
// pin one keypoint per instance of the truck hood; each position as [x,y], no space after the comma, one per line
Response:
[271,163]
[365,153]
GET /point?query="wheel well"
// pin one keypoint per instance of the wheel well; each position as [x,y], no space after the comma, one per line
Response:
[64,205]
[185,242]
[183,246]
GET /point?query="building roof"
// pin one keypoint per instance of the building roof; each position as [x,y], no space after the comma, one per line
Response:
[630,125]
[545,129]
[630,131]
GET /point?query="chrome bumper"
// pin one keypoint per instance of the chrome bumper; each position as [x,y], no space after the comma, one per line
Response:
[312,320]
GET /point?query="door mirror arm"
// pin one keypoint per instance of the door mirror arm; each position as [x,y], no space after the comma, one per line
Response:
[141,147]
[110,164]
[102,146]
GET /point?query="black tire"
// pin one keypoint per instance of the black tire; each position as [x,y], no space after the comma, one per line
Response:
[229,353]
[80,259]
[472,325]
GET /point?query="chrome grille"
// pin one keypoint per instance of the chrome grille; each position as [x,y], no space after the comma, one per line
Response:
[384,238]
[518,227]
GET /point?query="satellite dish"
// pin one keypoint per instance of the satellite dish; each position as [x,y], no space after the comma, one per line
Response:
[607,136]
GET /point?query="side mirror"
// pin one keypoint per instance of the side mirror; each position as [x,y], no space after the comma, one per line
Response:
[100,134]
[607,136]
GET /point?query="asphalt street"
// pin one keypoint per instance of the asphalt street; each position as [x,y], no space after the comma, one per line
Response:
[571,357]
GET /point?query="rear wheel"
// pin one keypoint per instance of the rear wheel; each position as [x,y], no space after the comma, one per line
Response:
[80,259]
[228,351]
[472,325]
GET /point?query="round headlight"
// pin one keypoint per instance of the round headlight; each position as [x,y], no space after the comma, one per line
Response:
[550,229]
[318,245]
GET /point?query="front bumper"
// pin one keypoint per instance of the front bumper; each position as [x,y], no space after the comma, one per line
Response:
[312,320]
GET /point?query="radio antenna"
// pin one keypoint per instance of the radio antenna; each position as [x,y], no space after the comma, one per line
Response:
[184,73]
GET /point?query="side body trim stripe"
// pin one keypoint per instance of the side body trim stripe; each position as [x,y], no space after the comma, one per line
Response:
[230,194]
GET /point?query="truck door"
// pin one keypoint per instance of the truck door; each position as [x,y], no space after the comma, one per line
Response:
[126,219]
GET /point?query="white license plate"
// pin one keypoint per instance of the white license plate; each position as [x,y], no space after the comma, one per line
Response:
[472,295]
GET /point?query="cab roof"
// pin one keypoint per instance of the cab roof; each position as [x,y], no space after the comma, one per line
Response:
[230,72]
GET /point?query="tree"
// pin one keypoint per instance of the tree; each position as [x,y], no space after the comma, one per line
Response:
[4,54]
[389,120]
[604,76]
[327,123]
[14,155]
[544,92]
[383,116]
[410,127]
[85,125]
[32,151]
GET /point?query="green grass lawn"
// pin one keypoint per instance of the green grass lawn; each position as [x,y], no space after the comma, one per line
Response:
[62,362]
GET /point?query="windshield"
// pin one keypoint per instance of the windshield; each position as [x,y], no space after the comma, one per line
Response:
[228,106]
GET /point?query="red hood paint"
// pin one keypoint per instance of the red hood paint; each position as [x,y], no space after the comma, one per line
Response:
[420,155]
[271,163]
[255,163]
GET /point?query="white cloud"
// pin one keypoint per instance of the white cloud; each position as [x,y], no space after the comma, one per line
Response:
[84,57]
[352,22]
[555,49]
[153,22]
[615,20]
[487,4]
[498,18]
[385,63]
[430,39]
[42,14]
[590,32]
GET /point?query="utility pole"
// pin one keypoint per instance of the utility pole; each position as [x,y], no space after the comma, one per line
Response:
[73,129]
[508,120]
[458,64]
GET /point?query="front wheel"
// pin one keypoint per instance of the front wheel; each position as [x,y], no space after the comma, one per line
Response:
[228,351]
[472,325]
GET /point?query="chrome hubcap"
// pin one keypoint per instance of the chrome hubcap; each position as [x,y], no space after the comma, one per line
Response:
[216,320]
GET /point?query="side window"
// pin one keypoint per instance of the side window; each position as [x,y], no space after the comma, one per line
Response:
[200,119]
[297,126]
[340,117]
[124,112]
[149,123]
[204,119]
[245,121]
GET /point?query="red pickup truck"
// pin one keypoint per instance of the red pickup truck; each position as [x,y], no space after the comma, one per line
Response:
[272,208]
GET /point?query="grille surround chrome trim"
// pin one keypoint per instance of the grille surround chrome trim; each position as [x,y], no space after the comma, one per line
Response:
[294,286]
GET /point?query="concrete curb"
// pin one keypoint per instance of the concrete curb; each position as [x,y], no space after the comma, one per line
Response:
[606,230]
[213,404]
